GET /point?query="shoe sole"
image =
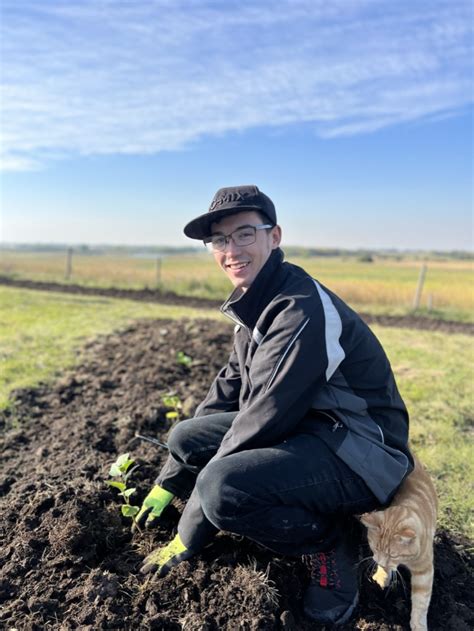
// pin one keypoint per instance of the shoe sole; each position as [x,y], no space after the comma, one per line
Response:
[349,613]
[345,617]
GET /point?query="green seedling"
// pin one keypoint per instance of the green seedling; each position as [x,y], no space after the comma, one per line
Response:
[173,402]
[120,469]
[183,359]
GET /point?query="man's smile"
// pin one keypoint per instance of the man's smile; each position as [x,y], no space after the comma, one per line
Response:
[237,266]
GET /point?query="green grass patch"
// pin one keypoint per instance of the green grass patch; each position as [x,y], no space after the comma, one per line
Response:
[435,375]
[41,332]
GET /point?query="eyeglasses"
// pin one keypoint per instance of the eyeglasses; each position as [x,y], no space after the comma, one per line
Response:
[245,235]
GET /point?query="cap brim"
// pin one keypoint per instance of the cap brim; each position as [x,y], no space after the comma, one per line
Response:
[200,228]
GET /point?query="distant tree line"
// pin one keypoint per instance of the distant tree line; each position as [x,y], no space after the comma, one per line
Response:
[369,255]
[361,254]
[97,250]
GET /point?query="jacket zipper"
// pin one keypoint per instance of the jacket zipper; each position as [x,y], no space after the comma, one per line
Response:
[285,353]
[230,314]
[336,422]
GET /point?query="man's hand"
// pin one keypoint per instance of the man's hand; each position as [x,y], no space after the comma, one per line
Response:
[153,505]
[163,559]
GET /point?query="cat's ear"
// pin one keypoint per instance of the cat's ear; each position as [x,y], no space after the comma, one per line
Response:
[406,535]
[370,520]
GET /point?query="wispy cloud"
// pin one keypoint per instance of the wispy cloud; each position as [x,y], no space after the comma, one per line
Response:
[143,76]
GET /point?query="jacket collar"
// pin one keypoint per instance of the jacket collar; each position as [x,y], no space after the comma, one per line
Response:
[248,306]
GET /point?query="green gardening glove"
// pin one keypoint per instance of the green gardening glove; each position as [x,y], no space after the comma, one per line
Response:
[161,560]
[153,505]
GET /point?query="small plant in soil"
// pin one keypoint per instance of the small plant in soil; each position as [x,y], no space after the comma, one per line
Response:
[120,470]
[184,359]
[173,402]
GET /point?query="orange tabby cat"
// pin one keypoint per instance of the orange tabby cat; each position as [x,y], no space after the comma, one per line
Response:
[402,534]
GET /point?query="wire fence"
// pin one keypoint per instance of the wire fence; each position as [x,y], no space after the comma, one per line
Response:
[399,283]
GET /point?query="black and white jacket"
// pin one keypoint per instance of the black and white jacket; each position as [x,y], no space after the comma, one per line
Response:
[298,348]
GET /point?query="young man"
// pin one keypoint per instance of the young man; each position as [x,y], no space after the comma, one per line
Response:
[302,428]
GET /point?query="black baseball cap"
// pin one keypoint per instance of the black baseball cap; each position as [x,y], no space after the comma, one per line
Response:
[229,201]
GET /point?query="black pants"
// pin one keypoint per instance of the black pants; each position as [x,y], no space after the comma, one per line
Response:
[293,497]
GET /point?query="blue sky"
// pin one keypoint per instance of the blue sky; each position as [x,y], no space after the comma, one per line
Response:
[120,119]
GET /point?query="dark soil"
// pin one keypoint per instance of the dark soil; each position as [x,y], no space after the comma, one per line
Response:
[69,560]
[167,297]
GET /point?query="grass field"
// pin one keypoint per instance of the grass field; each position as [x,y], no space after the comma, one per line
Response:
[41,334]
[383,286]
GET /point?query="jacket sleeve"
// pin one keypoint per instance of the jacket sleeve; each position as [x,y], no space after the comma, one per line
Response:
[223,395]
[289,365]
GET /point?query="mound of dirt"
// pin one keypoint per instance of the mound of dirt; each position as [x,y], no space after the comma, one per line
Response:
[69,559]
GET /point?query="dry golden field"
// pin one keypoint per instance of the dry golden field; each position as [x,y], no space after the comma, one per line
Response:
[384,285]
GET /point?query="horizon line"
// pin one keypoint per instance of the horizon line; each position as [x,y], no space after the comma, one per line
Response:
[199,248]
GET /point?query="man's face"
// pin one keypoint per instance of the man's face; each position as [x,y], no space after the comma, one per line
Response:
[243,263]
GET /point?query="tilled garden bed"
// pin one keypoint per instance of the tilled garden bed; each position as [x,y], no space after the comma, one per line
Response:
[68,558]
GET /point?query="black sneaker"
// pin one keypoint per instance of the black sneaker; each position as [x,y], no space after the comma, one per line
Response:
[333,593]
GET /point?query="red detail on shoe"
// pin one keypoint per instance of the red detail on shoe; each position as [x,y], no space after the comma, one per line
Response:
[323,570]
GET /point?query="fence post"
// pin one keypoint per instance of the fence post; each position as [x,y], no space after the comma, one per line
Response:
[68,272]
[419,289]
[158,271]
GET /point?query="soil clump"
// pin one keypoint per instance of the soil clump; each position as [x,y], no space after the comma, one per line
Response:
[69,560]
